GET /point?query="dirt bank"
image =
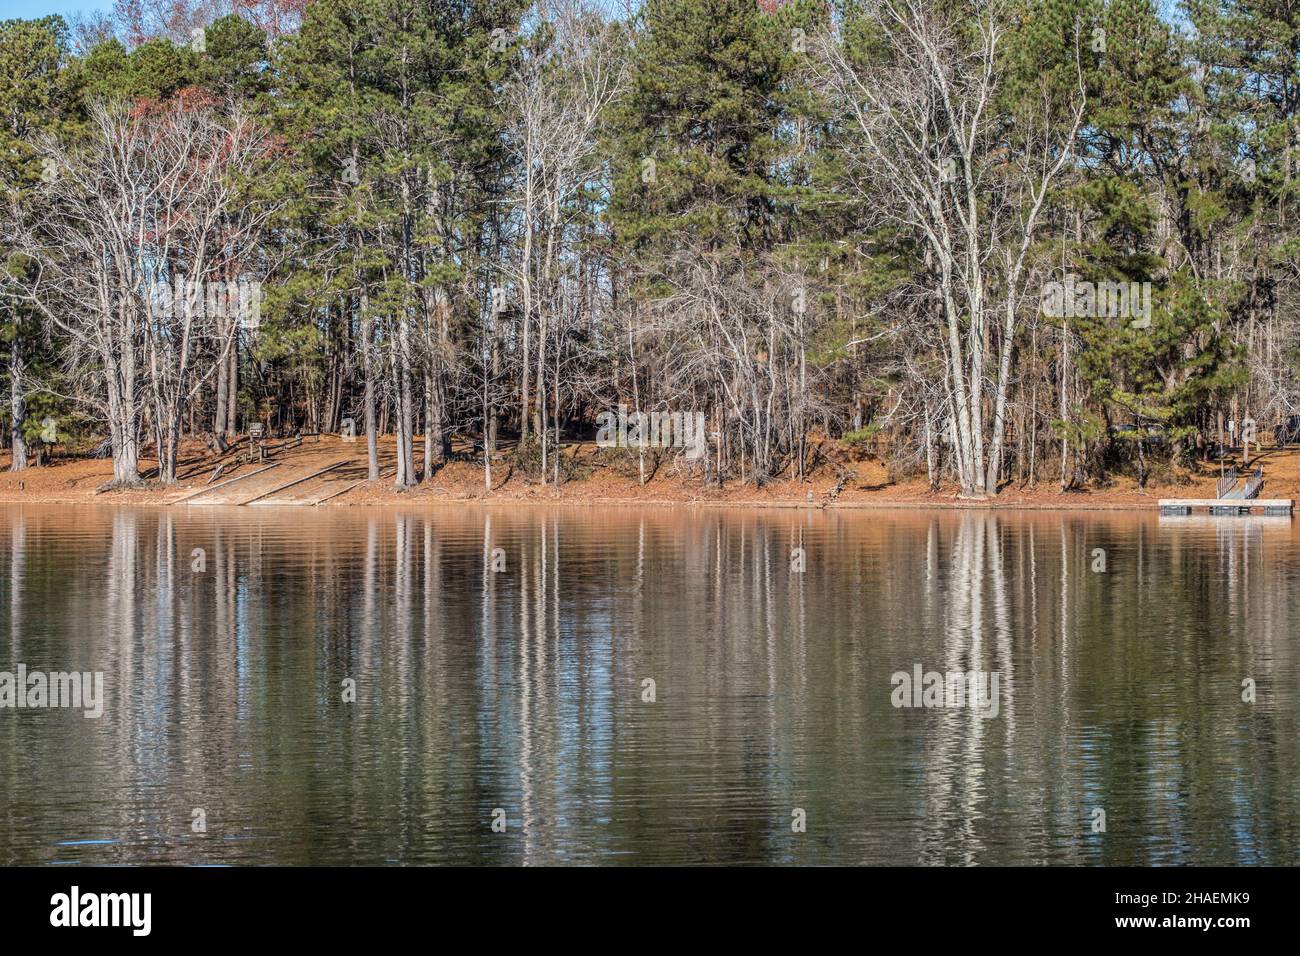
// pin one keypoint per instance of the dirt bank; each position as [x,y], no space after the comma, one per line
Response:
[601,477]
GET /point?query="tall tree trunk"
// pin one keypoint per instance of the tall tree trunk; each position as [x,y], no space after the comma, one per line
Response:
[167,460]
[429,426]
[528,325]
[493,424]
[223,372]
[232,385]
[1065,404]
[405,421]
[994,473]
[539,423]
[122,424]
[17,404]
[488,437]
[367,365]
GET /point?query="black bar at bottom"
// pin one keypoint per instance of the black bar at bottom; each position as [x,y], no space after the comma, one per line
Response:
[335,907]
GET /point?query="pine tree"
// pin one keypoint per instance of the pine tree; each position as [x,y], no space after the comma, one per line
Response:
[1156,175]
[37,98]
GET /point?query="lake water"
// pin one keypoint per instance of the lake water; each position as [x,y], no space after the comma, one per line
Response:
[511,686]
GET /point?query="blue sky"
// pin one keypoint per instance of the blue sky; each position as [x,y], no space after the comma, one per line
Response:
[30,9]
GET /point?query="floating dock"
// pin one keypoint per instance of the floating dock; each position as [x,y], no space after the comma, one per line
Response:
[1227,506]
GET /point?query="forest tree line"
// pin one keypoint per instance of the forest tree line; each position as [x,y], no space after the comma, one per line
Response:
[478,225]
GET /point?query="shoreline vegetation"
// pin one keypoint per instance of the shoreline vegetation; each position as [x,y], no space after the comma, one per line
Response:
[995,250]
[331,471]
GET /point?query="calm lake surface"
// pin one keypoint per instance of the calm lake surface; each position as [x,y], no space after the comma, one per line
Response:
[522,690]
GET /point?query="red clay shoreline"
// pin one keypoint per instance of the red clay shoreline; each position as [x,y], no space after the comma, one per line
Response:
[845,485]
[129,500]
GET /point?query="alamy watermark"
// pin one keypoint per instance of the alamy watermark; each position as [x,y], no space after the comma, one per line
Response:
[192,299]
[976,690]
[75,909]
[1074,299]
[623,429]
[35,690]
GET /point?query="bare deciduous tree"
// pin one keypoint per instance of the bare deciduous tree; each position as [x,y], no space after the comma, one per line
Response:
[149,205]
[929,148]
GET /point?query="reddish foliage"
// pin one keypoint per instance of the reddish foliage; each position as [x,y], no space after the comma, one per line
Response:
[144,106]
[276,17]
[278,145]
[141,20]
[195,98]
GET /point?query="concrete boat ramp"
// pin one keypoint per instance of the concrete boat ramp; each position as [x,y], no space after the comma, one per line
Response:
[280,484]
